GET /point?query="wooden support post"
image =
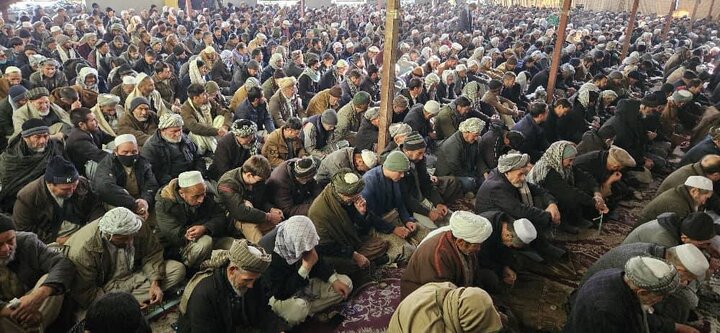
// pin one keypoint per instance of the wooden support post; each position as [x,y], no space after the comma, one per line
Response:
[387,81]
[629,29]
[694,12]
[302,8]
[560,32]
[710,12]
[668,19]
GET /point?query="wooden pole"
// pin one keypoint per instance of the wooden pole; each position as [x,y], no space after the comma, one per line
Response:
[387,81]
[692,17]
[629,29]
[558,49]
[710,13]
[668,19]
[302,8]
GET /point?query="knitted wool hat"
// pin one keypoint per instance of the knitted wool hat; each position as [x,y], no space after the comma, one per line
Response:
[397,161]
[305,167]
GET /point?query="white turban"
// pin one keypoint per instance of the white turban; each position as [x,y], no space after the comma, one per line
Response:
[470,227]
[119,221]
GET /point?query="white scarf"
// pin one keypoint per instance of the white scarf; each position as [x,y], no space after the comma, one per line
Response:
[64,56]
[195,76]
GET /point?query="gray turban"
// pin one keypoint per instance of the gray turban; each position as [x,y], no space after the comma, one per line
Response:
[512,161]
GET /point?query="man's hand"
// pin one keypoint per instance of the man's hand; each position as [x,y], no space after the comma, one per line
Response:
[75,105]
[442,208]
[61,240]
[401,232]
[360,260]
[195,232]
[600,204]
[175,108]
[309,259]
[649,164]
[341,288]
[411,226]
[509,276]
[28,312]
[156,294]
[651,135]
[434,215]
[361,205]
[680,328]
[617,175]
[222,131]
[554,213]
[275,216]
[142,208]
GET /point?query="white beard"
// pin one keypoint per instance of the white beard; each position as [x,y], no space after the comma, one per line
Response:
[172,140]
[43,114]
[9,259]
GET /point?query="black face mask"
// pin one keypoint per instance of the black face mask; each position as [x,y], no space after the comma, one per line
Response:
[127,160]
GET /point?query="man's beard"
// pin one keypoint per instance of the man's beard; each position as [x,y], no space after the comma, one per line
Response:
[171,140]
[45,113]
[38,150]
[8,259]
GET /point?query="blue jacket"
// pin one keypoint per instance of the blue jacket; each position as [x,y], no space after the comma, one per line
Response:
[695,154]
[535,142]
[259,115]
[382,196]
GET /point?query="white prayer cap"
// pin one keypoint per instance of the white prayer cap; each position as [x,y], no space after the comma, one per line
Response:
[443,49]
[525,230]
[457,46]
[124,138]
[349,45]
[699,182]
[341,64]
[190,178]
[432,107]
[374,49]
[369,158]
[129,80]
[652,274]
[470,227]
[55,29]
[26,24]
[693,259]
[472,63]
[12,69]
[119,221]
[460,68]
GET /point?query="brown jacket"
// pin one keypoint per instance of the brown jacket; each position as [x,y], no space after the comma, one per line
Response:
[37,211]
[438,260]
[95,268]
[319,103]
[142,131]
[193,124]
[276,149]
